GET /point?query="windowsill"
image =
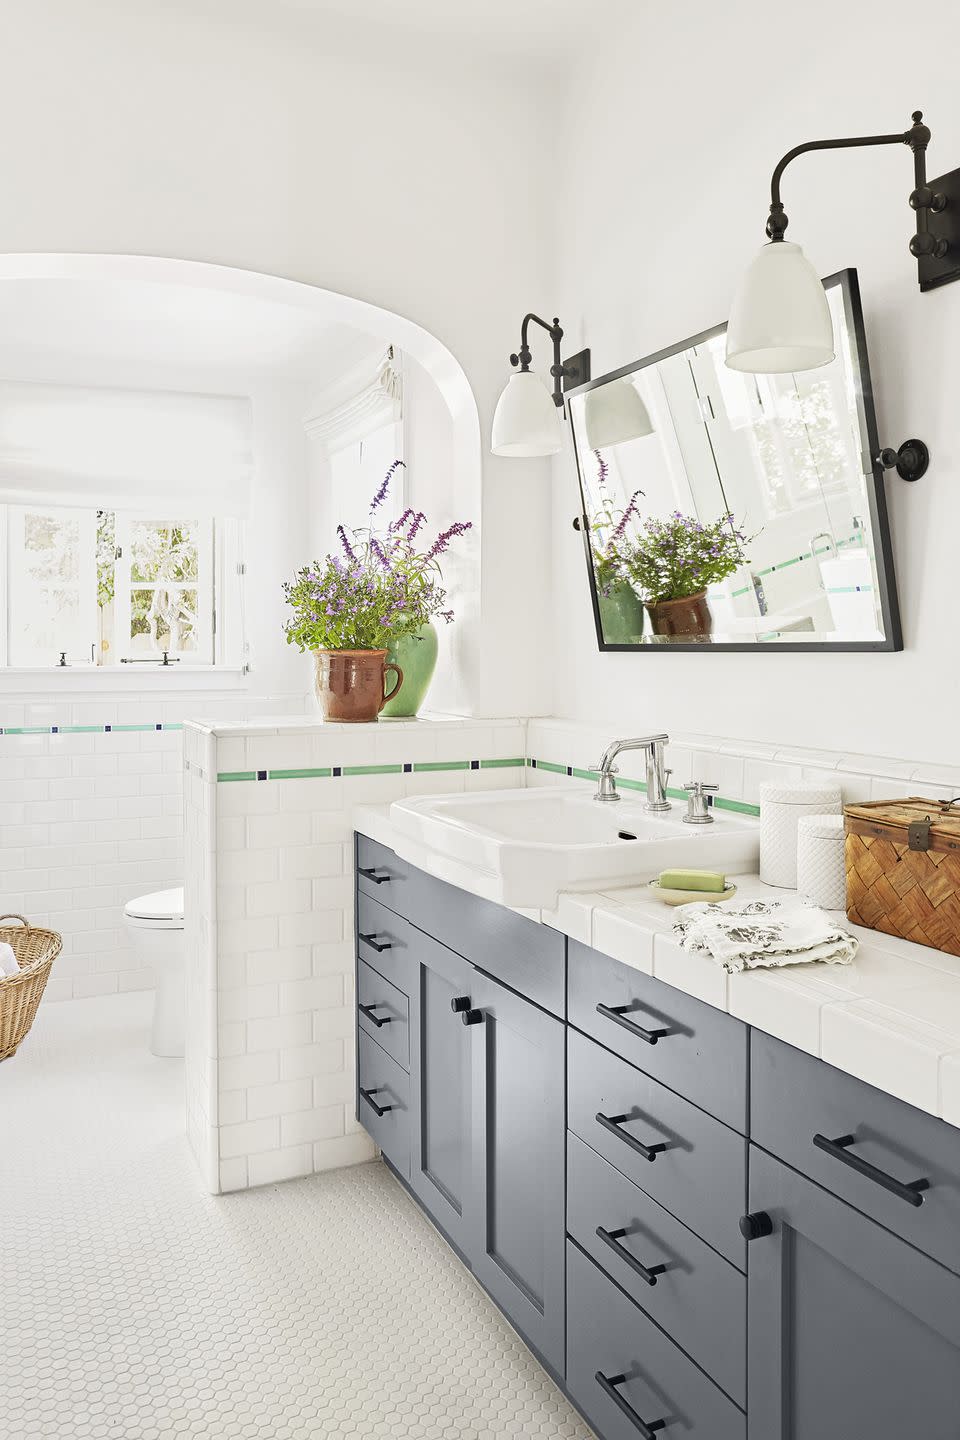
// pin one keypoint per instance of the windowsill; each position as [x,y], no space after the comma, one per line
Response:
[106,677]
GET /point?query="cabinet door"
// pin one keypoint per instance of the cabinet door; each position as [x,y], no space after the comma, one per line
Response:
[440,1074]
[517,1249]
[852,1332]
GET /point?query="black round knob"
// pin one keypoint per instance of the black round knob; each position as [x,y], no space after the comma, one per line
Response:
[923,244]
[460,1003]
[756,1226]
[472,1017]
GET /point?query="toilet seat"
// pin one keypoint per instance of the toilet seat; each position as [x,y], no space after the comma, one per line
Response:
[163,910]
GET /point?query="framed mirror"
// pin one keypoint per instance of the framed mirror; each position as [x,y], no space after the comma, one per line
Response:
[734,511]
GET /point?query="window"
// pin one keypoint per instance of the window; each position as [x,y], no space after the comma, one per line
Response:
[111,587]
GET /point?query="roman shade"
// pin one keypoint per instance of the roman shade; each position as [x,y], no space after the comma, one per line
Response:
[162,452]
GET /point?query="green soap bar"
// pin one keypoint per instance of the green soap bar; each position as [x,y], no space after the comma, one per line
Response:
[692,880]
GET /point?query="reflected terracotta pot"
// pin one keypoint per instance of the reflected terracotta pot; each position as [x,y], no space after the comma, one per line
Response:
[689,615]
[352,684]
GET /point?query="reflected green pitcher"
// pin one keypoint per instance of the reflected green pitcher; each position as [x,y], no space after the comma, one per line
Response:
[416,656]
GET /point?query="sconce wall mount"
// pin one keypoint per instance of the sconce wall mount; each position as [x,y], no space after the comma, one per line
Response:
[566,373]
[936,203]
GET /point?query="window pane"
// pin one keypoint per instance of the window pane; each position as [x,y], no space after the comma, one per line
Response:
[163,618]
[163,552]
[50,595]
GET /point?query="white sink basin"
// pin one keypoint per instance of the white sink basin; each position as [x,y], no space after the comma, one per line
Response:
[522,847]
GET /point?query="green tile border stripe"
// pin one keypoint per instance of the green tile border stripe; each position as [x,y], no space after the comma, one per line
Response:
[427,767]
[322,772]
[153,727]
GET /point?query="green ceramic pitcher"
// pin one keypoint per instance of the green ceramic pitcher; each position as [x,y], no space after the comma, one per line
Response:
[416,656]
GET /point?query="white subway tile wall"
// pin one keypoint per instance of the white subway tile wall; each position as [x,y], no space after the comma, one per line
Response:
[91,816]
[281,1010]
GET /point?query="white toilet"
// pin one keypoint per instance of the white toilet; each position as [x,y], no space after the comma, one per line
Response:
[157,925]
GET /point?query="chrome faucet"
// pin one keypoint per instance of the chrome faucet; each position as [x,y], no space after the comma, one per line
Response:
[656,774]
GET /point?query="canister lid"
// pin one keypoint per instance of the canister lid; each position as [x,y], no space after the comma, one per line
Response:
[800,792]
[821,827]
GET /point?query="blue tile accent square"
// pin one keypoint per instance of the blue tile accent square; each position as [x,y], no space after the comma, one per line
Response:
[533,764]
[408,769]
[261,774]
[159,727]
[54,729]
[338,770]
[569,769]
[474,764]
[108,727]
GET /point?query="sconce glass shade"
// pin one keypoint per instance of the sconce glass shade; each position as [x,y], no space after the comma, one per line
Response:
[526,422]
[614,413]
[780,320]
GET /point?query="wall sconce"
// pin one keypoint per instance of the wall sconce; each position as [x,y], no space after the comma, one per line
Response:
[780,321]
[526,422]
[615,413]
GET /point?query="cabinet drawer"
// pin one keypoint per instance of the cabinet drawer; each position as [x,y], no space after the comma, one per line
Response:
[387,942]
[699,1299]
[607,1336]
[383,1012]
[699,1174]
[383,1086]
[696,1050]
[796,1097]
[528,957]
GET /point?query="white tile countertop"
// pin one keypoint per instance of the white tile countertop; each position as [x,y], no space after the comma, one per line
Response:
[892,1018]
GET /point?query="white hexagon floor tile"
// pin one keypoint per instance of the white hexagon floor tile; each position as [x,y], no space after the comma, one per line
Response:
[135,1307]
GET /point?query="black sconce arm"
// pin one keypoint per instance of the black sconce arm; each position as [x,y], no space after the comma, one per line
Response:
[922,200]
[577,369]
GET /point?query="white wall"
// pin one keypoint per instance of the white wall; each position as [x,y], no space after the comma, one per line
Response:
[676,121]
[378,166]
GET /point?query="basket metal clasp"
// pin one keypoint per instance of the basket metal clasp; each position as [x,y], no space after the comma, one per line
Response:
[918,834]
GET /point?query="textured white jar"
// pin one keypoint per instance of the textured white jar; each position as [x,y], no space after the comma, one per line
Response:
[782,807]
[821,871]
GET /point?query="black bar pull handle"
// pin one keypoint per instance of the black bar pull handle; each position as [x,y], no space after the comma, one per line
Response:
[613,1123]
[375,944]
[371,874]
[608,1384]
[618,1014]
[378,1020]
[368,1096]
[612,1238]
[911,1191]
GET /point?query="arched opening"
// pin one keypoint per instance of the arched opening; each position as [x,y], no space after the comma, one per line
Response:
[120,321]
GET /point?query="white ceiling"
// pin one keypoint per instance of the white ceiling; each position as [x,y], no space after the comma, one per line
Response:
[111,330]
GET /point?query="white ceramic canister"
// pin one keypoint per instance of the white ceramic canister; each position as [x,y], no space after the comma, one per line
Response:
[821,871]
[782,806]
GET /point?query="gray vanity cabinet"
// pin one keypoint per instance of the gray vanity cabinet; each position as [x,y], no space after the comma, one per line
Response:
[517,1248]
[441,1079]
[852,1332]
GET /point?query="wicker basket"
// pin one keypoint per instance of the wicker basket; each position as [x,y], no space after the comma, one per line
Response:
[36,950]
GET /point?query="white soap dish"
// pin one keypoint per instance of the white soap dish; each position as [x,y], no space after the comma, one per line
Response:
[687,897]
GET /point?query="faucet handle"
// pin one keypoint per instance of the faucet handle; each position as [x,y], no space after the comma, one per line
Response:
[698,812]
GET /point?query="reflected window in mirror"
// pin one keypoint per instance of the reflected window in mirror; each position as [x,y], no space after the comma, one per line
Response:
[738,510]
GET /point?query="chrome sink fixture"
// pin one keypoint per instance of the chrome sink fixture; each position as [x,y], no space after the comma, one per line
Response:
[523,847]
[657,776]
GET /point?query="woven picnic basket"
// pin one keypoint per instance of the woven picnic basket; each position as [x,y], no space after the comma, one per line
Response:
[35,949]
[903,869]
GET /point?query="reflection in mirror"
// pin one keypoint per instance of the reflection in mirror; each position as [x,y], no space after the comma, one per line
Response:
[731,509]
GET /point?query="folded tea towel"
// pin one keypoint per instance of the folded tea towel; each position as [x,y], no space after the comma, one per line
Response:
[8,961]
[758,933]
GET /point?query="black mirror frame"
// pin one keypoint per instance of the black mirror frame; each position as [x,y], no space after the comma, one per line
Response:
[849,287]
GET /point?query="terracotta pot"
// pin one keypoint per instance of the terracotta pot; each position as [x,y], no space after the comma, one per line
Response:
[352,684]
[688,616]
